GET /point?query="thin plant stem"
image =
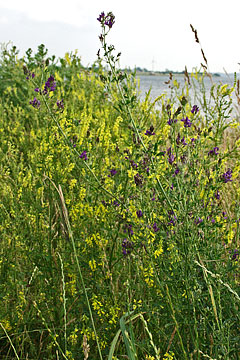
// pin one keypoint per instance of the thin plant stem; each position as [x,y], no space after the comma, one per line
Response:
[10,341]
[65,214]
[176,323]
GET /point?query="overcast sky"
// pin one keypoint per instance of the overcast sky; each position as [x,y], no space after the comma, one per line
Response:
[154,34]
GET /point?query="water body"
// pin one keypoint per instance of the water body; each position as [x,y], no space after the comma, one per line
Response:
[158,86]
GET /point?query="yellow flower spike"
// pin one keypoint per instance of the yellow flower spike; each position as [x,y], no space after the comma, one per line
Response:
[234,126]
[169,356]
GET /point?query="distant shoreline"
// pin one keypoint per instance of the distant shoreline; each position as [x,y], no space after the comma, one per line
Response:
[163,73]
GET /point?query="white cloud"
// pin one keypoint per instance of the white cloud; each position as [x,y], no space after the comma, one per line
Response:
[143,30]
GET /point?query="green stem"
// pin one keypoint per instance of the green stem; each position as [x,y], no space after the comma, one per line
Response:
[132,119]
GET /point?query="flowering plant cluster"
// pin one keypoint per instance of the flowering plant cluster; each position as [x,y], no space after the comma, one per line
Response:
[119,218]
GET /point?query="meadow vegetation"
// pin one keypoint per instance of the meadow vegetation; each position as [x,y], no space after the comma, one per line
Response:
[119,217]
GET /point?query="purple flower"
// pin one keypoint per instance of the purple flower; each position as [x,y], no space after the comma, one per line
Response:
[195,109]
[176,171]
[227,176]
[113,172]
[172,218]
[198,221]
[127,247]
[35,103]
[107,20]
[128,228]
[171,159]
[139,213]
[224,215]
[213,152]
[150,131]
[101,17]
[133,164]
[235,255]
[155,228]
[187,122]
[217,195]
[181,141]
[50,85]
[138,180]
[32,75]
[60,104]
[83,155]
[37,89]
[171,121]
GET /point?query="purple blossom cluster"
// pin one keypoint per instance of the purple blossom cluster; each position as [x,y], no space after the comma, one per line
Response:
[227,176]
[28,73]
[150,131]
[172,219]
[171,157]
[107,20]
[234,254]
[214,151]
[127,247]
[50,85]
[187,122]
[198,221]
[112,172]
[171,121]
[180,141]
[60,104]
[138,179]
[195,109]
[155,227]
[83,155]
[128,229]
[35,103]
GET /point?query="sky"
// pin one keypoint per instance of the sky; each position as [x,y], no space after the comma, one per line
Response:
[153,34]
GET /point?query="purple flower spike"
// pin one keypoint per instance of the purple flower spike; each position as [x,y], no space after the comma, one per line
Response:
[224,215]
[195,109]
[227,176]
[150,131]
[235,255]
[213,152]
[198,221]
[113,172]
[139,213]
[127,247]
[138,180]
[101,16]
[60,104]
[171,159]
[83,155]
[155,228]
[50,85]
[217,195]
[35,103]
[176,171]
[181,141]
[187,122]
[107,20]
[171,121]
